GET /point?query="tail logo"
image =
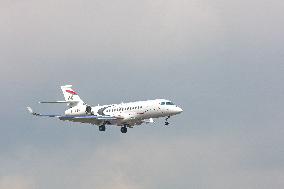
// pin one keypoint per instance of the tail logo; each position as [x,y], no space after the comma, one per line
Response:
[71,92]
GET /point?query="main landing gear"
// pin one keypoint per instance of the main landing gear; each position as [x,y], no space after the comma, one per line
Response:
[167,123]
[123,129]
[102,128]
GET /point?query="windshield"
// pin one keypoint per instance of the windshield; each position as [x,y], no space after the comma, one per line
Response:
[169,103]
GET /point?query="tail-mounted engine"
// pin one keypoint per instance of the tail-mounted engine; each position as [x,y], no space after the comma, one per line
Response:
[88,110]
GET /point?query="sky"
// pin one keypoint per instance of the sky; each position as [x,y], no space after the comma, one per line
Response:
[222,61]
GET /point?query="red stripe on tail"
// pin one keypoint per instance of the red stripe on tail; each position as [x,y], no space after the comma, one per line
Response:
[71,92]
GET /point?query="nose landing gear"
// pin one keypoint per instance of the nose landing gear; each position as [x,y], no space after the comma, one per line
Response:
[167,123]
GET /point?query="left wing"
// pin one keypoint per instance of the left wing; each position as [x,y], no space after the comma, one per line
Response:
[44,115]
[71,117]
[88,117]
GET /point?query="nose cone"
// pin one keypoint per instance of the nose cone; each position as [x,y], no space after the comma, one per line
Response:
[178,110]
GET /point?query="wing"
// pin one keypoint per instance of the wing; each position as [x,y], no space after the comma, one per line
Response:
[88,117]
[92,119]
[44,115]
[83,118]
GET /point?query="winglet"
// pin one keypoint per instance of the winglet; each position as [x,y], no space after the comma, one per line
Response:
[30,110]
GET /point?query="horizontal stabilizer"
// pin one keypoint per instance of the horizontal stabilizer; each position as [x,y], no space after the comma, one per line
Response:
[57,102]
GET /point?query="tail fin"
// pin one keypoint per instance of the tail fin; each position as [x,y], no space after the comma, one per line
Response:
[71,96]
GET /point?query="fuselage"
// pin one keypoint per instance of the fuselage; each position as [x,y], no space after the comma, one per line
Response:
[132,113]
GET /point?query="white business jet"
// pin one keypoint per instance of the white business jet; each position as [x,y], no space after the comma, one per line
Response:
[124,115]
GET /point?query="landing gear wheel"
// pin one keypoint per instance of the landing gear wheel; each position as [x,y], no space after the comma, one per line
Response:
[102,128]
[123,129]
[167,123]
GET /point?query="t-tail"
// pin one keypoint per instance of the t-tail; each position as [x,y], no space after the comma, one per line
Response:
[71,97]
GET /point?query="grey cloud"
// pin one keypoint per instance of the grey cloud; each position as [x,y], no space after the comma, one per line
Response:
[16,182]
[178,162]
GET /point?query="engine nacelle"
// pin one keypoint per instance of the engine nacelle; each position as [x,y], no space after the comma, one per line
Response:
[79,110]
[88,110]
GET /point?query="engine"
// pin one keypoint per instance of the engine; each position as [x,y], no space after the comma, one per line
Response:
[88,110]
[79,110]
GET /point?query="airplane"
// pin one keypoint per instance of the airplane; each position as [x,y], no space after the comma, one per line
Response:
[124,115]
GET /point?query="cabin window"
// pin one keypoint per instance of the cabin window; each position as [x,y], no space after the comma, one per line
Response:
[162,103]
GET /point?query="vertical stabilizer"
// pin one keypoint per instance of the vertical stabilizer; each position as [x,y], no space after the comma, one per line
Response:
[71,96]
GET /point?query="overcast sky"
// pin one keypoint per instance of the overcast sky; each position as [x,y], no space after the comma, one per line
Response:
[222,61]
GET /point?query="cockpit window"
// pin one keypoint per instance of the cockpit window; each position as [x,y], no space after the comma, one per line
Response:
[162,103]
[169,103]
